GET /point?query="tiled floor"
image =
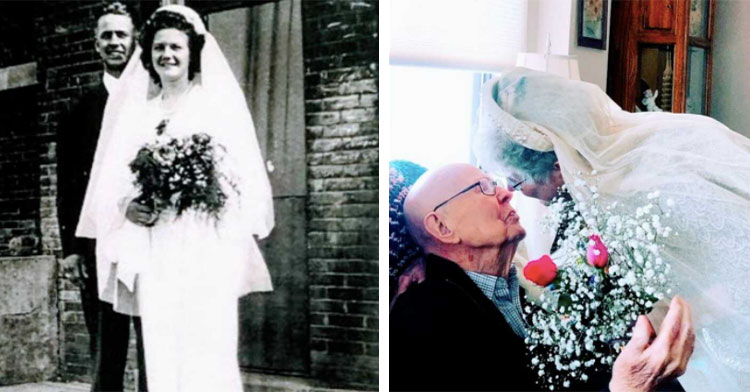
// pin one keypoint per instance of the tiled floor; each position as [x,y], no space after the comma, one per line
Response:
[47,387]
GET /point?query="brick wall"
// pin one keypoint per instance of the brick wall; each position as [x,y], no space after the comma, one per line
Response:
[341,100]
[19,147]
[19,168]
[16,33]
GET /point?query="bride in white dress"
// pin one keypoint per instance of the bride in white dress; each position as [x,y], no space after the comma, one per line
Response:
[532,121]
[181,274]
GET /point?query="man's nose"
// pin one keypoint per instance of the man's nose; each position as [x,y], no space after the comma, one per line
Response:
[504,195]
[115,40]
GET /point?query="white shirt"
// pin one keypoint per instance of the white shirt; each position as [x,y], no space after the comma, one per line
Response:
[110,82]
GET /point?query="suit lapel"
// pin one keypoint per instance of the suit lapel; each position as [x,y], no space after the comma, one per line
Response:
[440,268]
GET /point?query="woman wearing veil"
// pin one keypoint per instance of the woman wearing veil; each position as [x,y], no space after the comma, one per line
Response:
[543,131]
[182,273]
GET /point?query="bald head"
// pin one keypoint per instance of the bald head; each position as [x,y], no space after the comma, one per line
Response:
[472,217]
[431,189]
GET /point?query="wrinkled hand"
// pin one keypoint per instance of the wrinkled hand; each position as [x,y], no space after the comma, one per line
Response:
[644,363]
[415,273]
[72,268]
[141,214]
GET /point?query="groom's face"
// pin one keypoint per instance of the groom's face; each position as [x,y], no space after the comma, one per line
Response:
[115,40]
[481,220]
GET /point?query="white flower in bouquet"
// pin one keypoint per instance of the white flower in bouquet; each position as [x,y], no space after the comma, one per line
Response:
[606,272]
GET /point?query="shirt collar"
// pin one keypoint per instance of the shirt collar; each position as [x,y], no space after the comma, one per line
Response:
[491,284]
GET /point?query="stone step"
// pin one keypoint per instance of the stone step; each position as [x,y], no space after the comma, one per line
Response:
[47,387]
[252,382]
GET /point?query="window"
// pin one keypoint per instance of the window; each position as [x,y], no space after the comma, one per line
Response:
[472,34]
[432,112]
[437,48]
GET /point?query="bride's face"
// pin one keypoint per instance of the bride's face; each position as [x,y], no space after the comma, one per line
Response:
[170,55]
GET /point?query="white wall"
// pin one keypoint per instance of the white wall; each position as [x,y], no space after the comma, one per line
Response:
[559,19]
[730,96]
[549,16]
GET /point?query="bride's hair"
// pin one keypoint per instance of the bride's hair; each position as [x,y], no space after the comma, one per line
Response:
[499,154]
[170,20]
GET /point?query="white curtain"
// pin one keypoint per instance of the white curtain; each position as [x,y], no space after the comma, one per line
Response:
[467,34]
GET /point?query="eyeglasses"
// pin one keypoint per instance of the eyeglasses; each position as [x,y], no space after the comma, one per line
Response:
[515,184]
[487,186]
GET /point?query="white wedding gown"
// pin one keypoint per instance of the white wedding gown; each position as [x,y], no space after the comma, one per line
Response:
[187,273]
[702,165]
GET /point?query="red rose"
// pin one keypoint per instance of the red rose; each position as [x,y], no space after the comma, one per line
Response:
[541,271]
[597,254]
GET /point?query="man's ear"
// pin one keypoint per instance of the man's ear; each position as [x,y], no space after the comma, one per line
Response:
[439,231]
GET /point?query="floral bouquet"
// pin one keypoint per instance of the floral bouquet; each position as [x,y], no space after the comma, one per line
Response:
[180,174]
[607,271]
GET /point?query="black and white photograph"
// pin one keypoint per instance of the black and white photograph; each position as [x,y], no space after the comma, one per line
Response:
[189,196]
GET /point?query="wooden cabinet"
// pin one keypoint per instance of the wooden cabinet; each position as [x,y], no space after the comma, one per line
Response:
[660,55]
[658,14]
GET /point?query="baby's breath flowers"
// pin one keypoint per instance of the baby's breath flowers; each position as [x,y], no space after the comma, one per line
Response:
[609,271]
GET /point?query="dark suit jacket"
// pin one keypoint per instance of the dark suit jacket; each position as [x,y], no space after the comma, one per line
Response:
[76,145]
[445,334]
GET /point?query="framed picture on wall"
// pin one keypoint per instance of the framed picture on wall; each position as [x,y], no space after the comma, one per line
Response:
[592,23]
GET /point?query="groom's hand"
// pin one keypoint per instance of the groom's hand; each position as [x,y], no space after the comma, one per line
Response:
[646,361]
[140,214]
[72,269]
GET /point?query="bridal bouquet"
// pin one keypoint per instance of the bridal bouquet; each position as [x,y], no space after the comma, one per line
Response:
[180,174]
[607,271]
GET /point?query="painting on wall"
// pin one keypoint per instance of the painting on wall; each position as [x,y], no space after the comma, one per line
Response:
[592,23]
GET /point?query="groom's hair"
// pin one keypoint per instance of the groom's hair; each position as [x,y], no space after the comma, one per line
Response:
[116,8]
[170,20]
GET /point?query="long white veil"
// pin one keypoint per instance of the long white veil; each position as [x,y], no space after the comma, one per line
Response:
[700,164]
[216,106]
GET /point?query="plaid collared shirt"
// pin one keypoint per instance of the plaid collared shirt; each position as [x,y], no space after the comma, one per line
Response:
[504,293]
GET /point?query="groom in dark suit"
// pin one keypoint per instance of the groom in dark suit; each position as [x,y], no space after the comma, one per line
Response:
[77,141]
[463,329]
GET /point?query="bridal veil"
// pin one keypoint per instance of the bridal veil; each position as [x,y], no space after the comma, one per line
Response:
[700,164]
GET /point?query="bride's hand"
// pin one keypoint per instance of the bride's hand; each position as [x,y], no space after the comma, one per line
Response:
[141,214]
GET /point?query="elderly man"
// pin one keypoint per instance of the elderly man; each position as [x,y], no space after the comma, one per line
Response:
[462,328]
[77,140]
